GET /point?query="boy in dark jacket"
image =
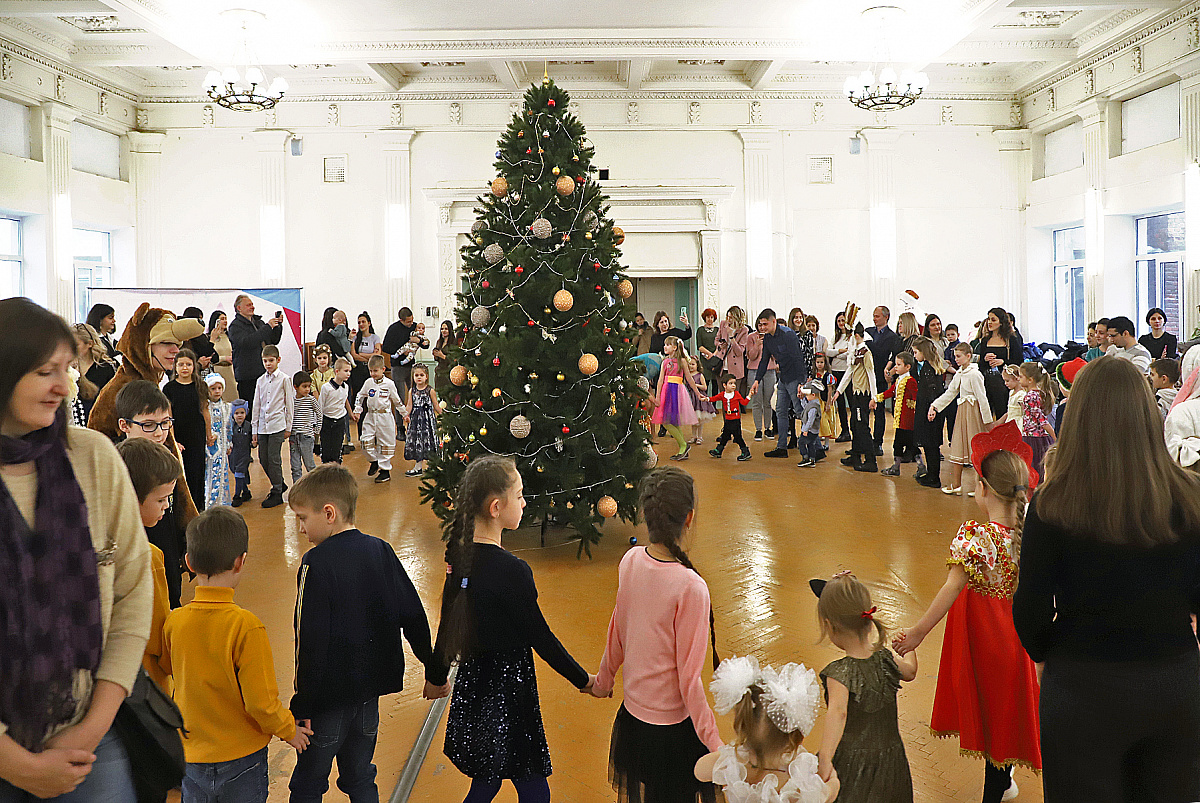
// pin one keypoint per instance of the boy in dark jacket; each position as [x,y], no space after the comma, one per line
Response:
[354,602]
[239,458]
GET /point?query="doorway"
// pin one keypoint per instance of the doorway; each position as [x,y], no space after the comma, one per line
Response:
[674,296]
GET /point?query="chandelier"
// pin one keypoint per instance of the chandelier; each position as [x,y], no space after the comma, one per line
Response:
[245,89]
[883,90]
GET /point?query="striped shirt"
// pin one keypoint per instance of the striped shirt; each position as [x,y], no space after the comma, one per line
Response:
[305,418]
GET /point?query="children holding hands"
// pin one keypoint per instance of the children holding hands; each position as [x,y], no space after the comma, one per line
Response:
[376,403]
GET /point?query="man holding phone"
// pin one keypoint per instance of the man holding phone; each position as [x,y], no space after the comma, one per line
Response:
[791,372]
[248,333]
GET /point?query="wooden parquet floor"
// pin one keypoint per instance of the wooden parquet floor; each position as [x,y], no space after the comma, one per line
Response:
[763,529]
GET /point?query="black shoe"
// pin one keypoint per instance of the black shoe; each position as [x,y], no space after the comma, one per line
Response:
[776,453]
[237,501]
[879,451]
[922,471]
[744,456]
[348,448]
[807,462]
[770,432]
[843,438]
[929,482]
[850,460]
[414,472]
[758,435]
[384,475]
[891,471]
[870,468]
[715,452]
[374,467]
[662,432]
[273,500]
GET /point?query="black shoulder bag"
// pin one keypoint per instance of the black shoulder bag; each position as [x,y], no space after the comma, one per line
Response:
[149,724]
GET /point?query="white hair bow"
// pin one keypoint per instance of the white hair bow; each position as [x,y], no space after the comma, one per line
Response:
[791,694]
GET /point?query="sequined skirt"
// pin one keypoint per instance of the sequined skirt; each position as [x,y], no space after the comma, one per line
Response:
[494,730]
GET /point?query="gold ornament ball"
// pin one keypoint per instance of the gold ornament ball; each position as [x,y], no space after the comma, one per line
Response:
[560,377]
[540,469]
[563,300]
[478,241]
[458,375]
[471,437]
[483,430]
[625,288]
[618,235]
[606,506]
[474,380]
[587,235]
[565,185]
[500,186]
[555,170]
[588,364]
[496,393]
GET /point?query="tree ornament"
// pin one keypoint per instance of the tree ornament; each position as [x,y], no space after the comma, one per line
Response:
[445,439]
[563,300]
[545,135]
[478,404]
[478,241]
[579,179]
[575,158]
[606,506]
[595,266]
[458,375]
[500,186]
[471,437]
[588,364]
[651,458]
[591,220]
[485,284]
[554,170]
[545,82]
[608,350]
[478,227]
[625,288]
[480,316]
[520,134]
[541,150]
[519,426]
[540,469]
[618,235]
[566,430]
[496,393]
[560,377]
[528,151]
[541,228]
[496,361]
[514,198]
[564,185]
[598,288]
[518,270]
[546,310]
[474,380]
[483,430]
[533,375]
[550,103]
[531,323]
[587,235]
[493,254]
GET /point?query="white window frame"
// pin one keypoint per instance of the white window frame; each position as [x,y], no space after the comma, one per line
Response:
[89,273]
[18,257]
[1156,261]
[1069,281]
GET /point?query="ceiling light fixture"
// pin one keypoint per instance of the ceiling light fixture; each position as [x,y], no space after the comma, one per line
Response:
[244,88]
[882,89]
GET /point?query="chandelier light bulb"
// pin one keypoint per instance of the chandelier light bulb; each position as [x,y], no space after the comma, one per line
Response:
[254,75]
[230,76]
[851,86]
[921,82]
[212,80]
[278,86]
[887,76]
[866,78]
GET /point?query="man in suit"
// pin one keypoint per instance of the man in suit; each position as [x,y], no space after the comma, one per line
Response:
[885,345]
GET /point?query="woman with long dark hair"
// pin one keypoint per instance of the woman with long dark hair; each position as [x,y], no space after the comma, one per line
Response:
[222,361]
[998,346]
[838,354]
[366,345]
[103,319]
[1109,578]
[328,335]
[75,585]
[441,355]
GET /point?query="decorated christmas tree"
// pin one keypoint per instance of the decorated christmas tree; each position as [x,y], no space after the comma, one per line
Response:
[544,372]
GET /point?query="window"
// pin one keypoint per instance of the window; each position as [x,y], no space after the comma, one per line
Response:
[1150,119]
[11,273]
[14,128]
[93,266]
[95,151]
[1069,297]
[1159,267]
[1064,149]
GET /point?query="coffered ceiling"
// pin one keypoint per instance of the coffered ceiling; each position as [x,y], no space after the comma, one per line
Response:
[161,49]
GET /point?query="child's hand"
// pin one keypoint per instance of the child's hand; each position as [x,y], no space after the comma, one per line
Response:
[433,692]
[836,395]
[212,439]
[907,640]
[300,740]
[354,416]
[932,414]
[254,442]
[872,405]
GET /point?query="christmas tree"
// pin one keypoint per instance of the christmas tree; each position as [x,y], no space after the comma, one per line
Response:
[544,372]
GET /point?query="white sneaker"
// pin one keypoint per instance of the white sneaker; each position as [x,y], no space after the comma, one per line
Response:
[1012,791]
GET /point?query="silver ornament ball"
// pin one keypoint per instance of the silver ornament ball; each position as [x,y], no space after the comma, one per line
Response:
[541,228]
[480,316]
[493,254]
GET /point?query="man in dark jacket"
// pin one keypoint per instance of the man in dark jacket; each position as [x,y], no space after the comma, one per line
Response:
[884,345]
[248,333]
[781,343]
[397,335]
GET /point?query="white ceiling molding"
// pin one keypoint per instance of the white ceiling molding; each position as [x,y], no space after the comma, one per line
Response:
[78,75]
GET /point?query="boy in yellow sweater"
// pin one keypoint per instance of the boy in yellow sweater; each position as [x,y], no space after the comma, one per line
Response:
[220,660]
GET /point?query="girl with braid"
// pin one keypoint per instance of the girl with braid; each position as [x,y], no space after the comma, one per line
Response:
[490,625]
[659,632]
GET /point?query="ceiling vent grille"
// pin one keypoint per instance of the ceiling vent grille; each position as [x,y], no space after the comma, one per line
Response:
[335,169]
[820,170]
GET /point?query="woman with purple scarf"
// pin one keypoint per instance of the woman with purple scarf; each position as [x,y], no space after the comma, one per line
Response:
[75,587]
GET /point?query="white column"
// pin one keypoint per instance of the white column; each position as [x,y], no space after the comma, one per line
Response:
[1189,87]
[272,217]
[397,230]
[56,154]
[881,180]
[1095,159]
[762,153]
[447,259]
[145,156]
[1014,156]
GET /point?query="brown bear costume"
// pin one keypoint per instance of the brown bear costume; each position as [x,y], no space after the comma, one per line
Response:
[137,363]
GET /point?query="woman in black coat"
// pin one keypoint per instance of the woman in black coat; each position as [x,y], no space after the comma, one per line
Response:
[663,330]
[927,434]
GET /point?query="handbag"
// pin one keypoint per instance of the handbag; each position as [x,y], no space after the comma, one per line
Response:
[149,725]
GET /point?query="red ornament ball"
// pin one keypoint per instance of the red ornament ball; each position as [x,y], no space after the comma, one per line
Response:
[478,404]
[550,102]
[531,323]
[518,270]
[496,362]
[484,284]
[596,265]
[598,288]
[528,151]
[579,179]
[607,330]
[566,430]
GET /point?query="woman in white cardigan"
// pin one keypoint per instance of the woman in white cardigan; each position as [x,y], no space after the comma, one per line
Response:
[1182,427]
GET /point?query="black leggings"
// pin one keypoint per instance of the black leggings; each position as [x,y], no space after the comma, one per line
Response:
[731,430]
[995,782]
[860,427]
[843,411]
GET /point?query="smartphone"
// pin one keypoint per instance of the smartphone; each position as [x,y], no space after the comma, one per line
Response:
[682,312]
[278,313]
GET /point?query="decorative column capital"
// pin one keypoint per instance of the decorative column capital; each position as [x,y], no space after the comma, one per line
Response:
[268,142]
[58,115]
[397,139]
[1094,111]
[882,139]
[758,138]
[144,142]
[1013,139]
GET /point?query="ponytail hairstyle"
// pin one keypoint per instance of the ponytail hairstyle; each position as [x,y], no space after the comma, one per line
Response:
[1041,379]
[485,479]
[1007,477]
[667,496]
[927,351]
[845,607]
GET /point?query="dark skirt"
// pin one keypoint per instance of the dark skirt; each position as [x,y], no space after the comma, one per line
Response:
[656,763]
[1040,444]
[997,391]
[494,730]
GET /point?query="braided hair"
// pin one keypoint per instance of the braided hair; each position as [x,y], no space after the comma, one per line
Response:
[485,478]
[668,495]
[1007,476]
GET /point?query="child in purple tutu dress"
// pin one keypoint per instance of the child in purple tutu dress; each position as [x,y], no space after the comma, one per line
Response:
[705,411]
[675,409]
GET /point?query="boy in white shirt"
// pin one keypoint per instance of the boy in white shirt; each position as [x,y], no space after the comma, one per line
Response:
[376,404]
[333,404]
[274,399]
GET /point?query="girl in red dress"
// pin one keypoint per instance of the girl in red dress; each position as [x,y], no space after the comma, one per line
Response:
[987,690]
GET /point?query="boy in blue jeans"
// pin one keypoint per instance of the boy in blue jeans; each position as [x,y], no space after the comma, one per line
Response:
[354,602]
[810,425]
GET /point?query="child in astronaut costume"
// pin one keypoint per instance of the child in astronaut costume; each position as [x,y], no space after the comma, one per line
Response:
[375,405]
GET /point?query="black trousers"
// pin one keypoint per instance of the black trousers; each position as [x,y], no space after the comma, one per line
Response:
[861,443]
[333,432]
[843,411]
[995,782]
[1123,731]
[880,416]
[732,430]
[903,444]
[245,390]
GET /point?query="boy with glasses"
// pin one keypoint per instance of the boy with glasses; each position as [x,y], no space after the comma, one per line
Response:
[143,411]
